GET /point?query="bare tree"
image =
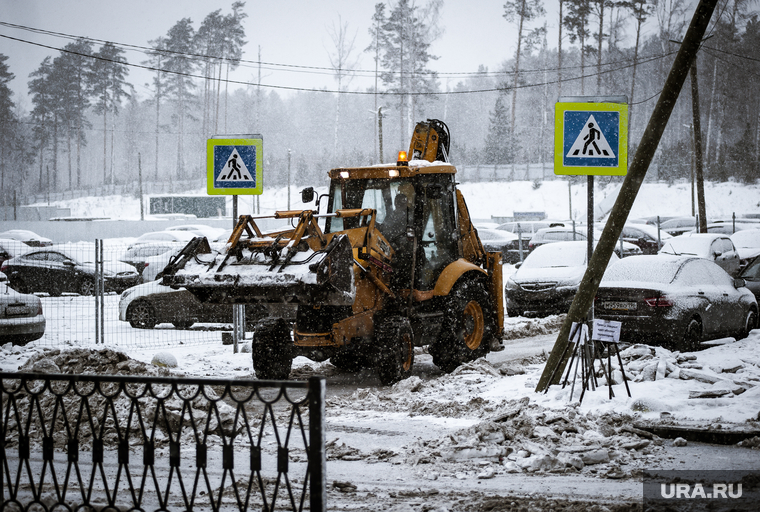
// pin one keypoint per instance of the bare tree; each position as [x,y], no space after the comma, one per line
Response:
[343,62]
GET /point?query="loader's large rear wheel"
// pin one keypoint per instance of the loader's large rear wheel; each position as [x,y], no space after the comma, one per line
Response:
[272,349]
[469,324]
[394,340]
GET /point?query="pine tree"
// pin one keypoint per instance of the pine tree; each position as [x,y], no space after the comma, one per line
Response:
[499,146]
[43,115]
[110,88]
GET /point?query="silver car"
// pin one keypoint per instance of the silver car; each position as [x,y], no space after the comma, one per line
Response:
[21,319]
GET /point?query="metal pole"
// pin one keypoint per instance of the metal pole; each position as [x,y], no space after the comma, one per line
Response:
[380,132]
[636,174]
[101,297]
[97,304]
[317,457]
[288,179]
[140,185]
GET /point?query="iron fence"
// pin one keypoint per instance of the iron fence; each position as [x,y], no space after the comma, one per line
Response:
[91,442]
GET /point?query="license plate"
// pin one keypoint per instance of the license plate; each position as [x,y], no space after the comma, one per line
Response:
[619,305]
[16,310]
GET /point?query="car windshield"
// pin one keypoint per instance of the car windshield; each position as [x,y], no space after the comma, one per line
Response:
[558,254]
[687,245]
[651,269]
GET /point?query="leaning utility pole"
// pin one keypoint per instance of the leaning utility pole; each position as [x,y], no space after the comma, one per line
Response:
[657,122]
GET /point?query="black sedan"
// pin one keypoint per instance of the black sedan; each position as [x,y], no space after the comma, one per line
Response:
[57,270]
[679,301]
[496,240]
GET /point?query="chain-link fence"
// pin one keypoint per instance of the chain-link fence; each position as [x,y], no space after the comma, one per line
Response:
[106,292]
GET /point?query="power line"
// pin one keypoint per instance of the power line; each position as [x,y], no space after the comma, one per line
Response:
[295,67]
[360,93]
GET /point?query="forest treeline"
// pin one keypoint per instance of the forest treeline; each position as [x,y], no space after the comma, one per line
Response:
[87,125]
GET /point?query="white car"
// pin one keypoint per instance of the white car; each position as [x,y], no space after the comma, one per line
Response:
[30,238]
[211,233]
[155,264]
[711,246]
[182,237]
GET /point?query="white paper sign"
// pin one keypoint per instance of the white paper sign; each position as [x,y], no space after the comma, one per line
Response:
[607,330]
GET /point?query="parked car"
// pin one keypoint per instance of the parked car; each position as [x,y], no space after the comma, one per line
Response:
[146,305]
[679,301]
[525,229]
[30,238]
[751,276]
[712,246]
[547,281]
[503,241]
[209,232]
[10,248]
[567,234]
[747,243]
[137,255]
[679,225]
[21,318]
[57,270]
[729,227]
[180,237]
[155,264]
[645,236]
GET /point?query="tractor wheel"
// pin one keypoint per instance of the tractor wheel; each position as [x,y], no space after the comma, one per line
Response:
[692,336]
[272,350]
[468,326]
[394,341]
[141,315]
[750,322]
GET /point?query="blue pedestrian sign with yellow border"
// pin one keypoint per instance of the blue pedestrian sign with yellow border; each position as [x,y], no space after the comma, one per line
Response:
[234,165]
[591,138]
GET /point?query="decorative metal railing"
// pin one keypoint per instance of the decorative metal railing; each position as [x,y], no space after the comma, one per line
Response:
[111,443]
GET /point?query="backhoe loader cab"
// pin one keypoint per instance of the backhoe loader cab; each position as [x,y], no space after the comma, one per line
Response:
[397,265]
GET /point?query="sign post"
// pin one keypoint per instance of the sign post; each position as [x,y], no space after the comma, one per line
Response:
[234,166]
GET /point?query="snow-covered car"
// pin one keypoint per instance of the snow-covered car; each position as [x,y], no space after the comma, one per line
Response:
[679,225]
[751,276]
[645,236]
[180,237]
[676,300]
[56,270]
[137,255]
[711,246]
[10,248]
[21,318]
[146,305]
[30,238]
[568,234]
[497,240]
[747,243]
[155,264]
[547,281]
[209,232]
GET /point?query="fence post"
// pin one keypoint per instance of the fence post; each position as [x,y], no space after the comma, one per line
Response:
[317,457]
[95,294]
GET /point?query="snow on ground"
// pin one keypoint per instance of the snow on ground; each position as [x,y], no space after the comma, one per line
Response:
[499,199]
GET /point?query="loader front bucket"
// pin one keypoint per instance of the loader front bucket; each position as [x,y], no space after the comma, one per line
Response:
[309,277]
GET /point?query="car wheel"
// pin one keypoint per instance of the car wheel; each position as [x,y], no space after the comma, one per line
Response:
[394,340]
[183,324]
[55,292]
[468,326]
[141,315]
[750,322]
[692,336]
[87,287]
[513,312]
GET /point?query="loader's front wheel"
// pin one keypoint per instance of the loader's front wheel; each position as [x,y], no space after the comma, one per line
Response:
[394,340]
[468,326]
[272,349]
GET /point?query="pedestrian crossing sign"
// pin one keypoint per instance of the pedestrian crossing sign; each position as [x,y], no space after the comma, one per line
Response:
[591,138]
[234,164]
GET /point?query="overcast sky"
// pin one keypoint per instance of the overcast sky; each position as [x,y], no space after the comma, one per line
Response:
[293,32]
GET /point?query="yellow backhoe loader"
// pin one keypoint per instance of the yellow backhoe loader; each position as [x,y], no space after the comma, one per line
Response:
[394,262]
